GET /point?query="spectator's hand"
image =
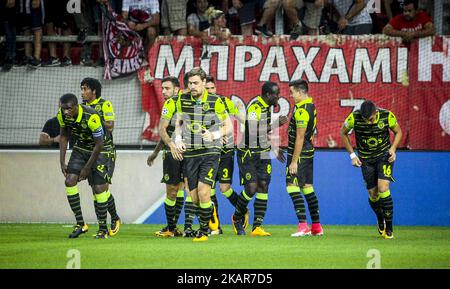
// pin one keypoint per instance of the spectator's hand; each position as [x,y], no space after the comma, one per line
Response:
[141,26]
[237,4]
[408,36]
[342,23]
[132,25]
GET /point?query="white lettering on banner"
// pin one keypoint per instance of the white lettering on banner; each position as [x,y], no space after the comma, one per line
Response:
[428,57]
[352,102]
[335,56]
[167,59]
[124,66]
[305,63]
[362,63]
[240,64]
[73,6]
[275,63]
[402,64]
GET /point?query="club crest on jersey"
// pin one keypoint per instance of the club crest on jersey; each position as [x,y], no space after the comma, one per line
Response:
[380,125]
[98,107]
[205,107]
[83,125]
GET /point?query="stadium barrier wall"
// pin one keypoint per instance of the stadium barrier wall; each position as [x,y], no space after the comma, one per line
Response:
[32,190]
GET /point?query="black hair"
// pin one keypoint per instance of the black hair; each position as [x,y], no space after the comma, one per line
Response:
[93,84]
[268,87]
[186,80]
[299,85]
[69,98]
[210,78]
[414,2]
[367,109]
[173,79]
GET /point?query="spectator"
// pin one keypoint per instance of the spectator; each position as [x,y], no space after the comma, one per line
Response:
[173,17]
[313,13]
[411,24]
[142,17]
[86,24]
[49,136]
[354,18]
[9,23]
[218,24]
[247,14]
[393,7]
[31,12]
[57,18]
[198,22]
[289,7]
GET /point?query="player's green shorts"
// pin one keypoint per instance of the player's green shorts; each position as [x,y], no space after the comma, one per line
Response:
[200,169]
[254,167]
[172,169]
[304,172]
[102,170]
[377,169]
[226,168]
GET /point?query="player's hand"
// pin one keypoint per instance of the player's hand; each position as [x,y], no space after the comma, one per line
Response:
[293,167]
[280,156]
[356,162]
[150,159]
[64,169]
[207,136]
[175,151]
[392,155]
[84,173]
[283,119]
[56,139]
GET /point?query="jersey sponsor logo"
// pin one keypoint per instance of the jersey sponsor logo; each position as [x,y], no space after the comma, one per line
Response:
[194,127]
[372,142]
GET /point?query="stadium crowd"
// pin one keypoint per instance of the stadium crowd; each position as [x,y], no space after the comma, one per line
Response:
[199,18]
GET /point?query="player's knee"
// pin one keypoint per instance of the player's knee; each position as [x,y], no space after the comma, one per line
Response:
[224,187]
[262,186]
[98,189]
[172,191]
[373,193]
[250,189]
[71,180]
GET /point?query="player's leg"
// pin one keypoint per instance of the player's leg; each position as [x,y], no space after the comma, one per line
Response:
[110,160]
[189,213]
[206,178]
[385,175]
[264,171]
[297,200]
[306,184]
[179,201]
[225,176]
[101,195]
[370,178]
[76,163]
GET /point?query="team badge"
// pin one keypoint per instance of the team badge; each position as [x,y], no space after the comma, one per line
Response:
[98,107]
[206,107]
[83,125]
[248,176]
[380,125]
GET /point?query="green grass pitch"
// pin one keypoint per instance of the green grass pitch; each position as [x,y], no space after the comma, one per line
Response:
[47,246]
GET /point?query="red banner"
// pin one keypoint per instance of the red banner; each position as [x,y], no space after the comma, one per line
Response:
[342,71]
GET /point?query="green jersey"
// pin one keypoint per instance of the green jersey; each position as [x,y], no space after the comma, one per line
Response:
[303,116]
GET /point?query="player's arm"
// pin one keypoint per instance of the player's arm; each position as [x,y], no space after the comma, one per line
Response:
[155,153]
[395,127]
[346,128]
[95,125]
[226,126]
[108,116]
[301,117]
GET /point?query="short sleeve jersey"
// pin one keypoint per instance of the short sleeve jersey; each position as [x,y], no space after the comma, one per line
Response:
[303,116]
[372,140]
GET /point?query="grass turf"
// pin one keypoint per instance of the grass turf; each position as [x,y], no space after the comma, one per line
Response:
[47,246]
